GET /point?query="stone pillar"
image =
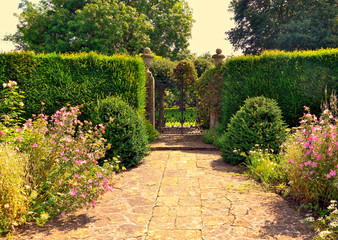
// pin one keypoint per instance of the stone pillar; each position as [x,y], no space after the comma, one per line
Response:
[150,107]
[218,57]
[214,113]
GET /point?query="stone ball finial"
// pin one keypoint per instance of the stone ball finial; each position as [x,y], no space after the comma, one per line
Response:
[147,50]
[218,57]
[147,57]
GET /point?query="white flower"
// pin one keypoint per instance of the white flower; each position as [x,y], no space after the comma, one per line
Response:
[4,85]
[21,104]
[6,205]
[324,233]
[334,223]
[309,219]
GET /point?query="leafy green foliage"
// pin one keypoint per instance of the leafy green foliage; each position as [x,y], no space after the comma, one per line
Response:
[214,136]
[125,130]
[172,23]
[151,131]
[185,72]
[78,79]
[202,65]
[162,70]
[287,25]
[293,79]
[105,26]
[258,123]
[209,92]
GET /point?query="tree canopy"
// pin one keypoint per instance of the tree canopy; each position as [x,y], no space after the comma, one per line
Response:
[105,26]
[172,23]
[285,25]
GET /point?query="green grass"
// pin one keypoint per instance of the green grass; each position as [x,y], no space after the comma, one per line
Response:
[173,116]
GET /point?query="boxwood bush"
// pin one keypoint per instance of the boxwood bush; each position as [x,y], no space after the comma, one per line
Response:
[257,124]
[125,130]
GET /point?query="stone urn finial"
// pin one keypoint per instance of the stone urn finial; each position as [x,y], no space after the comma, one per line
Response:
[147,57]
[218,57]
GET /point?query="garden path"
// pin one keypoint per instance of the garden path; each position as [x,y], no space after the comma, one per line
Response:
[184,194]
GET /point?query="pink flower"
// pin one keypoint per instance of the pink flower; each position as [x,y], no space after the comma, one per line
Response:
[92,204]
[76,175]
[18,130]
[99,174]
[73,192]
[20,139]
[77,150]
[307,163]
[313,138]
[52,142]
[35,145]
[314,164]
[331,174]
[301,166]
[308,152]
[63,213]
[306,144]
[319,157]
[83,195]
[58,181]
[90,181]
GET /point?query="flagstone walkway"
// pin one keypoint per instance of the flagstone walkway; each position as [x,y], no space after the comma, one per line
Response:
[183,195]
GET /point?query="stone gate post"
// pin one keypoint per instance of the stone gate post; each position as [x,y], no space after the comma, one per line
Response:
[150,85]
[214,113]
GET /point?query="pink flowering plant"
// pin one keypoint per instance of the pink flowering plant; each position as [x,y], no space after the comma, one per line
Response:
[62,172]
[311,159]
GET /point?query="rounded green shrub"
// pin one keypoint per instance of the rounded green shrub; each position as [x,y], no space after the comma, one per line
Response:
[258,124]
[125,130]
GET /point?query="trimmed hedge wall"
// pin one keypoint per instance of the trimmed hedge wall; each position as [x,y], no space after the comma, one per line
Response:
[293,79]
[75,79]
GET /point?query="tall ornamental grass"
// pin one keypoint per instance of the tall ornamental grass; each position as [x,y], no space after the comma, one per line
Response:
[13,195]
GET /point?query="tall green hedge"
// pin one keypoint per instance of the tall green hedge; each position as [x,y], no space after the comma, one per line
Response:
[294,79]
[75,79]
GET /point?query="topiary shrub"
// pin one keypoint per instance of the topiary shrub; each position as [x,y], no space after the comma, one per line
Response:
[125,130]
[257,124]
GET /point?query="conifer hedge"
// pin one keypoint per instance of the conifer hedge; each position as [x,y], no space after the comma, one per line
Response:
[293,79]
[77,79]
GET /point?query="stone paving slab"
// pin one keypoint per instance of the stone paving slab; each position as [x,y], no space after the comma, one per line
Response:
[180,142]
[180,195]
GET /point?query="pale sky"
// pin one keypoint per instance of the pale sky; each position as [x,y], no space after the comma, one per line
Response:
[212,20]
